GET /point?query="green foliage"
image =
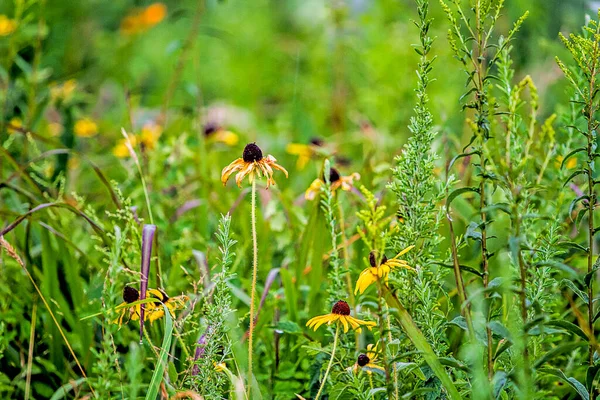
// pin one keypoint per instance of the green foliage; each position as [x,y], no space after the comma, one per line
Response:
[476,150]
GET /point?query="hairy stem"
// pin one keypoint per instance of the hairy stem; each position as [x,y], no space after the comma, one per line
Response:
[253,290]
[335,340]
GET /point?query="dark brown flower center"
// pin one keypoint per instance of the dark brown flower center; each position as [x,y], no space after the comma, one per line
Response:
[210,128]
[130,294]
[373,259]
[316,142]
[341,308]
[363,360]
[252,153]
[334,175]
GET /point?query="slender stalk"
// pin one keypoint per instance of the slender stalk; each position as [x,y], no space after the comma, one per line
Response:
[486,273]
[394,368]
[372,386]
[335,340]
[460,285]
[382,338]
[30,355]
[346,256]
[253,290]
[591,144]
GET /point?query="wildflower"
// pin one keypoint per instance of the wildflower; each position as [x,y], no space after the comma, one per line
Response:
[149,136]
[375,272]
[154,309]
[216,133]
[141,20]
[130,295]
[304,151]
[14,125]
[63,91]
[251,163]
[570,164]
[7,25]
[85,128]
[339,313]
[153,14]
[337,181]
[368,361]
[121,150]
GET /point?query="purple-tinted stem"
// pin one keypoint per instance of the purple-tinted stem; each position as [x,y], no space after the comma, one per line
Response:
[200,349]
[147,241]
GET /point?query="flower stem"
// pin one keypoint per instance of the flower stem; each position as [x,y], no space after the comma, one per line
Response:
[253,290]
[372,387]
[335,340]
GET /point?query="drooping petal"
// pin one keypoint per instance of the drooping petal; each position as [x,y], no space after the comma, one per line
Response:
[344,321]
[365,279]
[231,168]
[248,168]
[313,189]
[406,250]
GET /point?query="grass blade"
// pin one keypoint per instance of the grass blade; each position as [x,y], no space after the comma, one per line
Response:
[161,363]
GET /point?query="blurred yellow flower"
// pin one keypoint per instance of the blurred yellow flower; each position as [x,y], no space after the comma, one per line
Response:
[55,129]
[141,20]
[304,151]
[121,150]
[154,13]
[149,136]
[63,91]
[368,361]
[85,127]
[7,25]
[570,164]
[337,181]
[14,124]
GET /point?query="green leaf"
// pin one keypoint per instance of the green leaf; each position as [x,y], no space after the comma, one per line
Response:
[161,363]
[462,268]
[458,192]
[574,383]
[558,265]
[417,338]
[573,245]
[573,175]
[590,376]
[64,390]
[569,326]
[571,285]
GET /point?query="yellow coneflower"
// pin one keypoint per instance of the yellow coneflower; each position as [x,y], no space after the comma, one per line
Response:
[368,361]
[85,127]
[216,133]
[153,309]
[340,313]
[140,20]
[304,151]
[381,271]
[153,14]
[156,311]
[7,25]
[252,163]
[337,181]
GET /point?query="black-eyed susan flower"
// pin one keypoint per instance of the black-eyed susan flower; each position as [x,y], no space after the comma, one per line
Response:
[381,271]
[340,313]
[368,361]
[250,164]
[130,295]
[304,151]
[215,133]
[156,311]
[337,181]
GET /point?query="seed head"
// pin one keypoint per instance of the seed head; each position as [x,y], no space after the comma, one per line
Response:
[130,294]
[341,308]
[252,153]
[363,360]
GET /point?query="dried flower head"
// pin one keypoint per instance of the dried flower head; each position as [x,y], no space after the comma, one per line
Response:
[250,164]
